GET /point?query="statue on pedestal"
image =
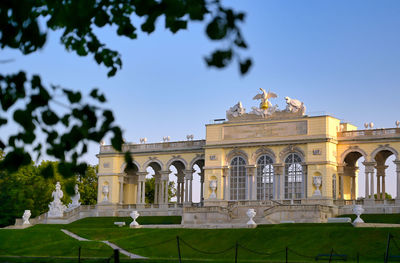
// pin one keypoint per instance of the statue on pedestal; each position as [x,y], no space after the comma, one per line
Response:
[26,216]
[75,200]
[57,208]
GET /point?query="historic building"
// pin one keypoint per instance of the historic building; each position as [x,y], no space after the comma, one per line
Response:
[267,158]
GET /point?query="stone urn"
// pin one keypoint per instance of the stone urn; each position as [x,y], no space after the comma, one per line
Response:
[134,214]
[251,214]
[26,216]
[358,210]
[213,186]
[317,181]
[105,193]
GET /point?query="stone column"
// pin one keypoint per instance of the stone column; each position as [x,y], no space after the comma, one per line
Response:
[397,163]
[139,192]
[156,185]
[121,190]
[188,186]
[380,172]
[378,186]
[163,191]
[201,174]
[278,181]
[369,172]
[141,198]
[166,197]
[178,191]
[190,189]
[353,187]
[180,179]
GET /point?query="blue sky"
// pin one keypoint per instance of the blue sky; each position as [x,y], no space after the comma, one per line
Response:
[341,57]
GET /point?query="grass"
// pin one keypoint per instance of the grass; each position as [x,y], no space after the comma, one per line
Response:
[304,241]
[47,240]
[108,222]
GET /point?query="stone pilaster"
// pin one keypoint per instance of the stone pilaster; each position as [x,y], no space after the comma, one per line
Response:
[250,178]
[121,189]
[305,180]
[278,181]
[340,172]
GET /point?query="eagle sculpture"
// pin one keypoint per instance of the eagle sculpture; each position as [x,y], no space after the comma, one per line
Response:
[264,96]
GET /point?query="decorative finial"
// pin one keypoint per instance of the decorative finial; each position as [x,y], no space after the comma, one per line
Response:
[166,138]
[189,137]
[143,140]
[102,142]
[371,125]
[397,124]
[366,125]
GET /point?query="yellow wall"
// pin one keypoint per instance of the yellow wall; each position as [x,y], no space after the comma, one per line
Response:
[323,152]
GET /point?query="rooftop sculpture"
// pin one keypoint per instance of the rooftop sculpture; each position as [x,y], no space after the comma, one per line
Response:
[266,110]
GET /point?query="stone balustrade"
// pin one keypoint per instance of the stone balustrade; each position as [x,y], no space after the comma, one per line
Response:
[159,147]
[389,132]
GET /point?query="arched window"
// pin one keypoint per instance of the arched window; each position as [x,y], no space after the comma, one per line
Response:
[334,186]
[293,177]
[265,178]
[238,182]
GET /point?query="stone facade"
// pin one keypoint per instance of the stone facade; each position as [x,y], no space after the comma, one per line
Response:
[267,158]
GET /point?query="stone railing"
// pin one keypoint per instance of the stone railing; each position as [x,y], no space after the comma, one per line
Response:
[149,206]
[149,147]
[375,132]
[364,202]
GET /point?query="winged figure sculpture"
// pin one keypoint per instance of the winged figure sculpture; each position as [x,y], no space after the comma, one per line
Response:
[264,96]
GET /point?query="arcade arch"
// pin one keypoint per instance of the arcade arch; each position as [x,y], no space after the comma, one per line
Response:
[374,169]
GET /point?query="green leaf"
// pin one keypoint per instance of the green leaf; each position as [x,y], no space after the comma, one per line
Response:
[15,159]
[220,58]
[47,171]
[49,117]
[217,28]
[73,97]
[245,66]
[117,140]
[128,161]
[24,118]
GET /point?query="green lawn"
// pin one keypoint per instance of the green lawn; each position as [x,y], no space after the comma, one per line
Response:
[47,240]
[304,241]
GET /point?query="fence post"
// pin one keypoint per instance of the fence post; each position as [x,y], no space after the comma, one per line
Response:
[179,249]
[116,255]
[79,254]
[386,257]
[358,257]
[330,257]
[286,255]
[236,251]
